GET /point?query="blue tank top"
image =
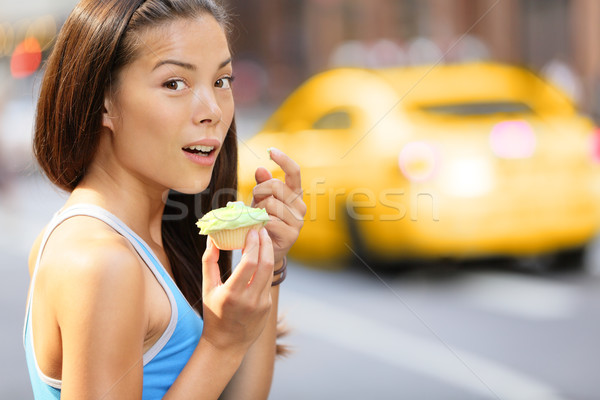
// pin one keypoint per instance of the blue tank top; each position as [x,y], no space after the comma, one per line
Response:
[166,358]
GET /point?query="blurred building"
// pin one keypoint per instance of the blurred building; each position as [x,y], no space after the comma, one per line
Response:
[280,43]
[292,39]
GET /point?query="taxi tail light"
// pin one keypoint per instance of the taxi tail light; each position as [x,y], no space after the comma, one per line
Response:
[513,139]
[419,161]
[595,145]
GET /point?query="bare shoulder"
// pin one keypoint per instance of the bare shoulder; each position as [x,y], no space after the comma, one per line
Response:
[86,260]
[91,282]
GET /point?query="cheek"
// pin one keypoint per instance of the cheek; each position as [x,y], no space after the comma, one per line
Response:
[145,137]
[152,111]
[148,119]
[227,111]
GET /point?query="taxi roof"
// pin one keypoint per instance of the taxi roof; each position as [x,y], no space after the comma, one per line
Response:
[442,84]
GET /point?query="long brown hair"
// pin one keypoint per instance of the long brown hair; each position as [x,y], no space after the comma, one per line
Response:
[96,41]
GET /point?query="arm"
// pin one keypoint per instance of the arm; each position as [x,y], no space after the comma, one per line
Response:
[102,316]
[253,379]
[283,202]
[235,314]
[99,302]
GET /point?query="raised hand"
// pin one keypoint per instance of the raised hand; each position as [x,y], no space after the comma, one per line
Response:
[282,201]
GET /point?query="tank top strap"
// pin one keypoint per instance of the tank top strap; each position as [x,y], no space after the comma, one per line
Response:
[143,250]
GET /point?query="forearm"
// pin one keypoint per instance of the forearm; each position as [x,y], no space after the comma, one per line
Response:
[253,379]
[207,373]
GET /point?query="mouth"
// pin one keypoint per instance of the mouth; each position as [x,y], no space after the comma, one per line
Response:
[203,151]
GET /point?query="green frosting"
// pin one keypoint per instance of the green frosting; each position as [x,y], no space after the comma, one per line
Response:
[234,215]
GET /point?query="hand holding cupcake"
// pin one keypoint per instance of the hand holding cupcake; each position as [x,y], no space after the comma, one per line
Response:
[228,226]
[276,205]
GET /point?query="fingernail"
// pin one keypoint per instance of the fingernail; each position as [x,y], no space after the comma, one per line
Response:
[272,150]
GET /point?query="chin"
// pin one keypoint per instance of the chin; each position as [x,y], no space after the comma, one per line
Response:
[191,187]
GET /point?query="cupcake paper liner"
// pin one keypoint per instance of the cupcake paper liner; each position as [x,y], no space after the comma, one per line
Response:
[232,239]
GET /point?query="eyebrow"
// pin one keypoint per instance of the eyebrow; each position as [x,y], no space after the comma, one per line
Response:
[224,63]
[191,67]
[185,65]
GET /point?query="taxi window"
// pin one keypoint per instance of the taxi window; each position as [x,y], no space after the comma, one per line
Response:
[338,119]
[479,108]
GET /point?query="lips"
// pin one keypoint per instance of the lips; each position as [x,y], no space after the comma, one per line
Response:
[203,152]
[200,150]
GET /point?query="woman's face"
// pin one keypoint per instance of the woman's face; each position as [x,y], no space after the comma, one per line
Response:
[172,106]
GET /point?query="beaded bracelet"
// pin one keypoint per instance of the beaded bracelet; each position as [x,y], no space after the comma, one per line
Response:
[282,271]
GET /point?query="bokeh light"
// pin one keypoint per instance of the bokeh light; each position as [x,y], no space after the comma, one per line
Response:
[44,29]
[595,145]
[26,58]
[513,139]
[418,161]
[468,177]
[7,35]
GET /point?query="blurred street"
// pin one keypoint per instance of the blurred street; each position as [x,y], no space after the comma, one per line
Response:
[487,329]
[443,332]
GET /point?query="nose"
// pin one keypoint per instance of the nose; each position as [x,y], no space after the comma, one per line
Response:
[206,110]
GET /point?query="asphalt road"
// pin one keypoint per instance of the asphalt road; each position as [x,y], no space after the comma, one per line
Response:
[480,331]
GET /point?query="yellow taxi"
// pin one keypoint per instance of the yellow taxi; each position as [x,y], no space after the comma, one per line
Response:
[448,161]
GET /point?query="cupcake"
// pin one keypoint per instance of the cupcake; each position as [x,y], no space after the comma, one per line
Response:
[228,226]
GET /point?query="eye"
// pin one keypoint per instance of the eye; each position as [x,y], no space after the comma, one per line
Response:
[175,85]
[224,83]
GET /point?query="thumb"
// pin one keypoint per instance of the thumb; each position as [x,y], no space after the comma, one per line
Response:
[211,275]
[262,175]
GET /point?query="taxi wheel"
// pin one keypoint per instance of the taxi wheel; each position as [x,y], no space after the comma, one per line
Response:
[537,264]
[574,259]
[357,243]
[590,259]
[361,254]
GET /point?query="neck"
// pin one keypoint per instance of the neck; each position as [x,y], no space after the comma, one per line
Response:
[136,203]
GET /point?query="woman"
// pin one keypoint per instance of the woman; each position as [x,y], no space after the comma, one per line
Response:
[135,120]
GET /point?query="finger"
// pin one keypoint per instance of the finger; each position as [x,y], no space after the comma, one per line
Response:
[277,229]
[262,174]
[244,271]
[264,273]
[280,191]
[277,209]
[290,167]
[274,187]
[211,275]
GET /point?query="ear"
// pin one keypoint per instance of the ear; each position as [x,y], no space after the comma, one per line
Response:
[108,113]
